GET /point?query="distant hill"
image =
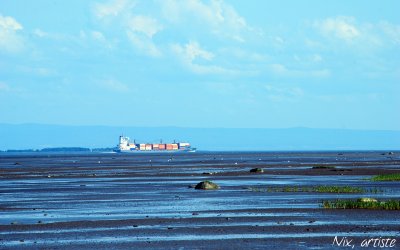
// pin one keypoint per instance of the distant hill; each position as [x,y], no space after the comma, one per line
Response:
[38,136]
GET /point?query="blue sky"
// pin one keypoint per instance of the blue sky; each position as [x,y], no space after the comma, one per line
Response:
[234,64]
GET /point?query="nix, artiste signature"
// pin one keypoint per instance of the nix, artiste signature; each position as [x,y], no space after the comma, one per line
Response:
[368,242]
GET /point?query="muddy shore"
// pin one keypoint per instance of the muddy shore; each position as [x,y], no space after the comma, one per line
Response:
[134,201]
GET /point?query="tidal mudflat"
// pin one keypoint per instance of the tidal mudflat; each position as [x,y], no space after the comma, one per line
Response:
[136,201]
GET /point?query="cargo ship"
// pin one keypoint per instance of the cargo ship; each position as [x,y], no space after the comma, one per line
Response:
[126,146]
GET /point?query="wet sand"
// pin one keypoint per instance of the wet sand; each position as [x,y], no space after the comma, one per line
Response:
[135,201]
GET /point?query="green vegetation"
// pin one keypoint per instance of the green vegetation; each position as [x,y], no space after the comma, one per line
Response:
[363,203]
[323,167]
[316,189]
[386,177]
[338,189]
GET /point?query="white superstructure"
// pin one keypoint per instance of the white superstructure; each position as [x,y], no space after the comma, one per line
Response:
[125,145]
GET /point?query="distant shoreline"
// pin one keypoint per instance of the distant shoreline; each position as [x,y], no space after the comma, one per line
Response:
[59,150]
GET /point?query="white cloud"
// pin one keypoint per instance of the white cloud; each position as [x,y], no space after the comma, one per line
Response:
[144,44]
[283,94]
[364,37]
[114,85]
[349,98]
[193,50]
[306,59]
[57,36]
[190,51]
[9,23]
[60,37]
[392,31]
[279,41]
[217,16]
[221,88]
[282,70]
[139,29]
[339,27]
[41,71]
[141,21]
[209,69]
[4,87]
[197,59]
[40,33]
[144,24]
[97,35]
[243,55]
[278,68]
[101,39]
[112,8]
[316,58]
[10,39]
[69,43]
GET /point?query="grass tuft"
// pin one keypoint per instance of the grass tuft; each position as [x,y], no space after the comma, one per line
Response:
[362,204]
[386,177]
[314,189]
[338,189]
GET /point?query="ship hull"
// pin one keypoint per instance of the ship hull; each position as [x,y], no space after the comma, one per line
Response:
[126,146]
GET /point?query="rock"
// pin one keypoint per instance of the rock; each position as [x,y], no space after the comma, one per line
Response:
[367,200]
[191,186]
[208,173]
[194,214]
[207,185]
[257,170]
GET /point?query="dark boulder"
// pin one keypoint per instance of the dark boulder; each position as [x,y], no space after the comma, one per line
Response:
[257,170]
[207,185]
